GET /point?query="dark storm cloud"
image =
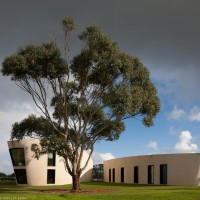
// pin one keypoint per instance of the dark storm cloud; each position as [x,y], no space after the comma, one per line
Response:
[165,34]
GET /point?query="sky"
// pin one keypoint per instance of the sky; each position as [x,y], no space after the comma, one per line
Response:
[164,34]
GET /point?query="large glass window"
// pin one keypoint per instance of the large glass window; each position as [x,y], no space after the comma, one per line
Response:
[150,174]
[122,175]
[163,174]
[17,156]
[50,176]
[113,175]
[136,174]
[51,159]
[21,176]
[97,173]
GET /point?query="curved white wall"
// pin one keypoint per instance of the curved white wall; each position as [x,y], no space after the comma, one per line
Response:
[182,169]
[36,170]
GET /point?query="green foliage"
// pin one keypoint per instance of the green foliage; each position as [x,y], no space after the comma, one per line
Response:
[6,178]
[2,175]
[69,24]
[33,61]
[128,90]
[32,125]
[90,96]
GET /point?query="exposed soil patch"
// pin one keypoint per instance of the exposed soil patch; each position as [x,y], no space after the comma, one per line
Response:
[62,191]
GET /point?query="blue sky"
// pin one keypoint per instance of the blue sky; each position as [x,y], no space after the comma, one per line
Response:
[164,34]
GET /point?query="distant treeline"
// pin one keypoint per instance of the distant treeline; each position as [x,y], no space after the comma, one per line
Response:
[4,176]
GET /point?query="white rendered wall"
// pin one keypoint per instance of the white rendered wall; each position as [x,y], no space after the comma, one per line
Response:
[182,169]
[36,170]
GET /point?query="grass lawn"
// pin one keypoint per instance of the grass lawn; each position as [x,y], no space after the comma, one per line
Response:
[109,191]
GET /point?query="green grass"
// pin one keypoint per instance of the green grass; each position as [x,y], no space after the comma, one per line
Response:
[9,191]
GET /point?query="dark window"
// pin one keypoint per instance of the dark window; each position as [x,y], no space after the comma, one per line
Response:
[51,159]
[98,173]
[136,174]
[50,176]
[150,174]
[163,174]
[21,176]
[113,175]
[17,156]
[109,175]
[122,175]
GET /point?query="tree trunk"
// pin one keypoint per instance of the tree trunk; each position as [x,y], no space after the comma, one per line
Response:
[76,182]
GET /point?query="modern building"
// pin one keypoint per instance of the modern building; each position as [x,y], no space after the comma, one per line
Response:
[163,169]
[49,169]
[167,169]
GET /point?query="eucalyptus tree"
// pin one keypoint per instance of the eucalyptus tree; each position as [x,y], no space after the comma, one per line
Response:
[83,100]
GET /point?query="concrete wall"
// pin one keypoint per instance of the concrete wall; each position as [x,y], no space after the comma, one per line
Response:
[36,170]
[182,169]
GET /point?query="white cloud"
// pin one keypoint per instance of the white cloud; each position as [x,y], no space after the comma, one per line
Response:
[153,145]
[194,114]
[15,113]
[6,167]
[184,144]
[106,156]
[98,158]
[177,114]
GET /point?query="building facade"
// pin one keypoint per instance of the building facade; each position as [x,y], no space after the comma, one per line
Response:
[167,169]
[49,169]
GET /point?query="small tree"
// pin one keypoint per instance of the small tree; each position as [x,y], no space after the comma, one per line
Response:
[90,96]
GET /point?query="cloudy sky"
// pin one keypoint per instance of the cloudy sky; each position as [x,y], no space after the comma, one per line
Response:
[164,34]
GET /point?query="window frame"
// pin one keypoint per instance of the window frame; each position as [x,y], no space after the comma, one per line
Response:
[163,174]
[150,174]
[110,176]
[49,176]
[20,177]
[51,161]
[136,175]
[122,174]
[14,161]
[113,175]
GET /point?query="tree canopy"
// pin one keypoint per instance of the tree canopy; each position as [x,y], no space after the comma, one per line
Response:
[91,95]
